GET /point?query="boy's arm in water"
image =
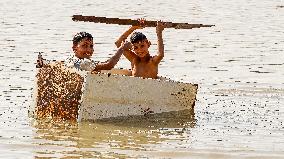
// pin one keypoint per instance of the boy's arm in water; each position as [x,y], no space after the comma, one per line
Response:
[159,30]
[109,64]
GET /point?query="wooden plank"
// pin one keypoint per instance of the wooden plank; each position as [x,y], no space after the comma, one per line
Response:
[135,22]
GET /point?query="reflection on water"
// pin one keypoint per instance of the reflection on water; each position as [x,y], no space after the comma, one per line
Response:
[110,137]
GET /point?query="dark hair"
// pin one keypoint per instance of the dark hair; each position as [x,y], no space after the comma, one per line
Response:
[81,35]
[137,37]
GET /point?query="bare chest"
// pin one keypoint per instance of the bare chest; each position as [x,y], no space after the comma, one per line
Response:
[145,69]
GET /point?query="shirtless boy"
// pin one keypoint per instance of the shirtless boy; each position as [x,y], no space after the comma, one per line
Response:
[142,63]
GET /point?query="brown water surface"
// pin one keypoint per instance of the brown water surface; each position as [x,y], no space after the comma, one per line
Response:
[238,64]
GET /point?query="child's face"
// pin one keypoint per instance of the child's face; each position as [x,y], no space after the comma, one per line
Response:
[84,49]
[141,48]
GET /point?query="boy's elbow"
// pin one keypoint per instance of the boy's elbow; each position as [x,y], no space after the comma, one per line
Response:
[110,65]
[117,44]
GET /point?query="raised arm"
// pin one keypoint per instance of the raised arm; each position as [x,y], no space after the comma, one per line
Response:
[124,36]
[110,63]
[159,30]
[127,53]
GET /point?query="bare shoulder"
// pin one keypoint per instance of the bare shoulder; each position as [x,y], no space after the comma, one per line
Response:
[156,59]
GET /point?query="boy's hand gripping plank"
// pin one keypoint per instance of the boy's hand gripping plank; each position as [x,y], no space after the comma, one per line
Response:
[135,22]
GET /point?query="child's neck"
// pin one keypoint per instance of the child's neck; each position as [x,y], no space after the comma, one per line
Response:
[81,58]
[145,58]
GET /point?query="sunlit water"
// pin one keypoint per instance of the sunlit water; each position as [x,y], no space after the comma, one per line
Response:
[238,64]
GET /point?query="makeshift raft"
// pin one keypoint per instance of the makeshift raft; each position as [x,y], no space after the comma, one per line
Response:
[67,93]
